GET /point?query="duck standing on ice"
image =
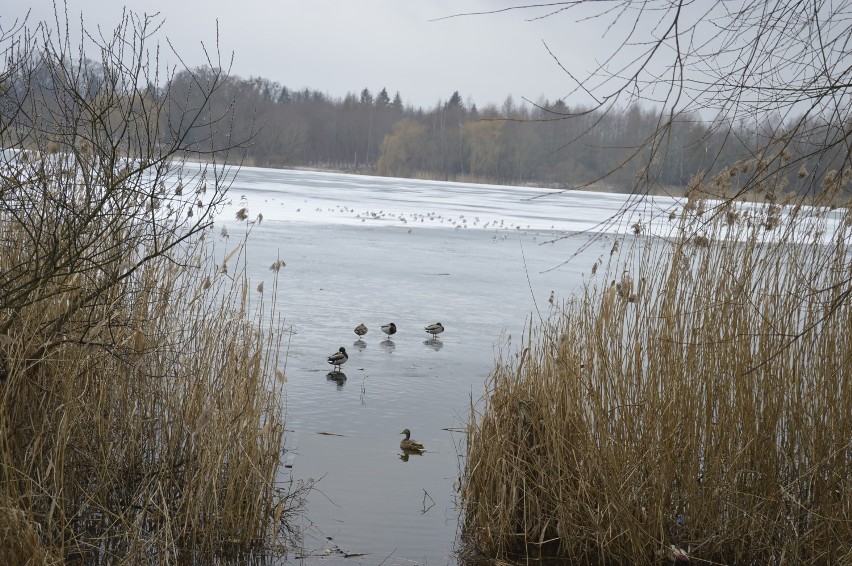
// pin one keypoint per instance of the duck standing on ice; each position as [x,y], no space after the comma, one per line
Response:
[435,329]
[338,358]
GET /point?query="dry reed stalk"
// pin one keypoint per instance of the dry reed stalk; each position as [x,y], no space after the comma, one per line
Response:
[153,428]
[20,542]
[698,398]
[141,420]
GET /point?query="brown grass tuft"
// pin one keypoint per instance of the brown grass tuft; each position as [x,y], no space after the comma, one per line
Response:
[20,541]
[146,425]
[711,417]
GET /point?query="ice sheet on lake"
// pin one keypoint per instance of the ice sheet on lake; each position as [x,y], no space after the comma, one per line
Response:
[319,197]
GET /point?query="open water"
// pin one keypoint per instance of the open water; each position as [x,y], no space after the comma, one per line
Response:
[483,260]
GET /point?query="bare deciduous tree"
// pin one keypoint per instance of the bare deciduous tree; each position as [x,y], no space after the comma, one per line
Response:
[99,168]
[773,79]
[671,435]
[779,70]
[140,400]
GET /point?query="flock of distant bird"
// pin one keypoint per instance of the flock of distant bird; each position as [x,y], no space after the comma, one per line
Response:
[340,357]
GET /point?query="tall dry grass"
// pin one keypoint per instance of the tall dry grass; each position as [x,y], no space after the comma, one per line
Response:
[149,427]
[141,410]
[698,398]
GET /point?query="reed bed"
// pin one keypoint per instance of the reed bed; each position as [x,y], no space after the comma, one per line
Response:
[141,395]
[143,422]
[694,406]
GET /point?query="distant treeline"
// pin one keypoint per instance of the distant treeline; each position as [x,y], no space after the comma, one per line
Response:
[549,143]
[546,143]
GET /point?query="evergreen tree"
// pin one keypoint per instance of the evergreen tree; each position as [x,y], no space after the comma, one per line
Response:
[382,99]
[455,101]
[397,102]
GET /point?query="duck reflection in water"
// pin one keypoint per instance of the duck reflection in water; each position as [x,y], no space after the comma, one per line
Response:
[388,345]
[434,343]
[338,377]
[359,345]
[404,456]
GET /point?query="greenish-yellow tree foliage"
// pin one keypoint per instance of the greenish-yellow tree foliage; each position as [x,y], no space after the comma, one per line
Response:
[401,149]
[483,139]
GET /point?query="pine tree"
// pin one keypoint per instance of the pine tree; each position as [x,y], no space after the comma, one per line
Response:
[455,101]
[382,99]
[397,102]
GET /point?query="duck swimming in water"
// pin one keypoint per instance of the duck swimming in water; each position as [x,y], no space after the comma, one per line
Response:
[409,445]
[389,329]
[435,329]
[338,358]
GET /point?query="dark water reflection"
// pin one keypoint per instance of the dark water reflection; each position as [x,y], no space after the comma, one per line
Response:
[372,499]
[404,455]
[337,377]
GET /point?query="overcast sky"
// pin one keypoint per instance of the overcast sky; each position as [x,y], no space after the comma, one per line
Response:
[341,46]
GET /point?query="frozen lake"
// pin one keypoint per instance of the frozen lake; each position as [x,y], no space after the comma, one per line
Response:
[374,250]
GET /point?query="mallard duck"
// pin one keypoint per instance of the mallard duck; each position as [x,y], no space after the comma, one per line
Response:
[435,329]
[360,330]
[338,358]
[389,329]
[409,445]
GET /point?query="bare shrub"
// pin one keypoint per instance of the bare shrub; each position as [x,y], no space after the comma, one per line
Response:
[141,418]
